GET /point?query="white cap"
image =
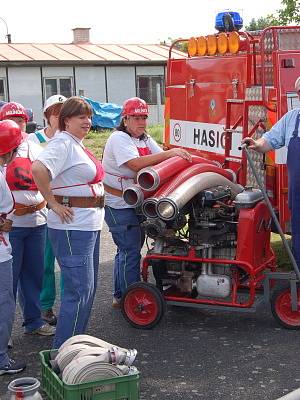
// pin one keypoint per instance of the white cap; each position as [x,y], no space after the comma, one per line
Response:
[57,98]
[297,84]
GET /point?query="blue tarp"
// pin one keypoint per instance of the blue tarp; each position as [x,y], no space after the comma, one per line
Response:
[105,115]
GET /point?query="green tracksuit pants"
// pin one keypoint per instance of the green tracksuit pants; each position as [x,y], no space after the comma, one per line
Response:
[48,293]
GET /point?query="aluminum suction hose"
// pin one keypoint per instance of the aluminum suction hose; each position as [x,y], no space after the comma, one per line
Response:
[134,195]
[149,205]
[168,208]
[150,178]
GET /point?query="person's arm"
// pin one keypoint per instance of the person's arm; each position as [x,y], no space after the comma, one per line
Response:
[260,145]
[42,180]
[136,164]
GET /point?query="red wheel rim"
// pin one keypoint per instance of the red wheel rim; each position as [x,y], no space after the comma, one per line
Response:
[284,311]
[141,306]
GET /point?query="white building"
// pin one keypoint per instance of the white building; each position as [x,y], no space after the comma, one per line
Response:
[31,72]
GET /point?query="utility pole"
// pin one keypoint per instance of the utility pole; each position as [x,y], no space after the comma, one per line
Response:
[8,35]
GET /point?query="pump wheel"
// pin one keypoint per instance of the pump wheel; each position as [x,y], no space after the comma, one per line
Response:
[143,305]
[282,307]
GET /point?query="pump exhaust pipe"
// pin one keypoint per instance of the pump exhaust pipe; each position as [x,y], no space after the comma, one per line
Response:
[168,207]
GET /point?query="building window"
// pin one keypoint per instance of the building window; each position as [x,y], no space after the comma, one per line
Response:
[3,92]
[147,88]
[62,86]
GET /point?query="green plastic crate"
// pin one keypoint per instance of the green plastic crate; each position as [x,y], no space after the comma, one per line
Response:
[119,388]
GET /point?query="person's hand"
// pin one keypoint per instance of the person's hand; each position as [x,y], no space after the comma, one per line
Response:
[250,142]
[181,153]
[65,213]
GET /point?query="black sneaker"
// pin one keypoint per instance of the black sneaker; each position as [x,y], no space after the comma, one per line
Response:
[13,367]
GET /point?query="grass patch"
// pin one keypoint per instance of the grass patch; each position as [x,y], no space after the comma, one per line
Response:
[283,260]
[95,140]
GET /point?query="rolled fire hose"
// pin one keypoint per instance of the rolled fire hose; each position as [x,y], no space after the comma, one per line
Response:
[87,369]
[89,340]
[113,356]
[168,208]
[134,195]
[84,358]
[295,395]
[150,178]
[149,205]
[92,368]
[66,355]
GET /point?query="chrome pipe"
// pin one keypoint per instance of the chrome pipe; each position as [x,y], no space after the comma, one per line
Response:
[148,179]
[149,207]
[168,207]
[133,195]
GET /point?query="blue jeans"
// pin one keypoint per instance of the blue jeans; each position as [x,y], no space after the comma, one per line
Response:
[7,308]
[28,246]
[124,225]
[77,253]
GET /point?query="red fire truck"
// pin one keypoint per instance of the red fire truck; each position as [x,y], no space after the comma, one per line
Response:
[212,248]
[234,85]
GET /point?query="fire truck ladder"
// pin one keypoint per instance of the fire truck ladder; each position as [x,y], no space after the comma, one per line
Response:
[231,128]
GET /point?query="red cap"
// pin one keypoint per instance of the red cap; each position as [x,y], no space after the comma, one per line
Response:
[135,106]
[10,136]
[13,109]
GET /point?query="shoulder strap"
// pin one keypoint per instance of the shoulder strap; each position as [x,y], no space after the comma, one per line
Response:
[40,137]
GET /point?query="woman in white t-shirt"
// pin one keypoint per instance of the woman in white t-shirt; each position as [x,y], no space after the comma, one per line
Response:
[10,139]
[52,109]
[128,150]
[70,179]
[27,236]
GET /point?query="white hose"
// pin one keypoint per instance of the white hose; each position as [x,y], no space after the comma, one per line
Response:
[93,368]
[84,358]
[66,355]
[295,395]
[89,340]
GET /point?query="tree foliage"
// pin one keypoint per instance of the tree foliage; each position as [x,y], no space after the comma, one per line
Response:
[260,23]
[288,14]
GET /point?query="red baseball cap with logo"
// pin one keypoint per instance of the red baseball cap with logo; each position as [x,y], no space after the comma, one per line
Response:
[135,106]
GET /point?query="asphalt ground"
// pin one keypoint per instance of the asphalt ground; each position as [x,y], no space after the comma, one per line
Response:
[191,354]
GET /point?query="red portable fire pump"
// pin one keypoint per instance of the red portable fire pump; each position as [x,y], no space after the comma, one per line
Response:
[209,223]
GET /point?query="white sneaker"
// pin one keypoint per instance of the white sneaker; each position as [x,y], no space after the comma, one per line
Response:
[44,330]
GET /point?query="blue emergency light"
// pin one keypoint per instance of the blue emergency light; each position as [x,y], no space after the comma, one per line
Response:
[228,21]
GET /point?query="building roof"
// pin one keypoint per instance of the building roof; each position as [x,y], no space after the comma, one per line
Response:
[37,53]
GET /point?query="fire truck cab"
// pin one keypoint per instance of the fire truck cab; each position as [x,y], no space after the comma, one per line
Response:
[232,85]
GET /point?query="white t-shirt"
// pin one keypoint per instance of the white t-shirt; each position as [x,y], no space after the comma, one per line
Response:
[29,197]
[40,137]
[71,169]
[34,138]
[119,149]
[6,205]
